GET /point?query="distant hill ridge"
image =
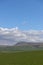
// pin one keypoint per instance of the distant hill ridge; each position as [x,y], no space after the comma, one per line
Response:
[29,44]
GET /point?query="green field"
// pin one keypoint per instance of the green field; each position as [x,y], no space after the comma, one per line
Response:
[22,58]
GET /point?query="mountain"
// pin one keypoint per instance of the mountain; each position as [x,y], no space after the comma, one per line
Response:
[33,44]
[22,46]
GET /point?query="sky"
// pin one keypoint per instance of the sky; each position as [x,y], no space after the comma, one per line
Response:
[14,35]
[21,20]
[24,14]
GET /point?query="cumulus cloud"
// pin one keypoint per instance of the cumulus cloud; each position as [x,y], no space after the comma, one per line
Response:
[10,36]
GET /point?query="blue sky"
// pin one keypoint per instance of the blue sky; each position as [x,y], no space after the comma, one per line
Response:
[25,14]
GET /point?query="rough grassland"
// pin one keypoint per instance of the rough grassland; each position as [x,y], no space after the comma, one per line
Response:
[22,58]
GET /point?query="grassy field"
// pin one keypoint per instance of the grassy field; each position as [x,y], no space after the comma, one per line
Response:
[22,58]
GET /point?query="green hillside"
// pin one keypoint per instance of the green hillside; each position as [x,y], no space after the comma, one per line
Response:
[19,48]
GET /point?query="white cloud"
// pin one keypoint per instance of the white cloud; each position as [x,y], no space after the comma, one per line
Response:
[13,35]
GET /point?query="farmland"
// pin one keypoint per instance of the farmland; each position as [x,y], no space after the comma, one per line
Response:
[22,58]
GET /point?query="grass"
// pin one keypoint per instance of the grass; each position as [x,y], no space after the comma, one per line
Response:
[22,58]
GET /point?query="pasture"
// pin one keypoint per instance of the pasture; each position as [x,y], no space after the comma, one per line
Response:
[22,58]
